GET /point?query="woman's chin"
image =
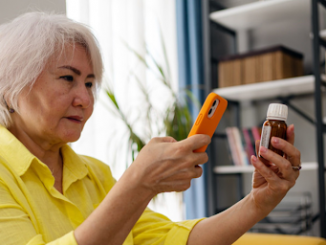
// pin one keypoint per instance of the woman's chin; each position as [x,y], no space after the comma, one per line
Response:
[71,137]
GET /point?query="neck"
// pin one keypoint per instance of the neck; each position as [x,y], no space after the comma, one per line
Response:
[46,152]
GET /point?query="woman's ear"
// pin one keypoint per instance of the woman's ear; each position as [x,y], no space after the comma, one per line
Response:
[11,110]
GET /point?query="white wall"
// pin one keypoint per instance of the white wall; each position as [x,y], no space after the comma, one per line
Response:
[9,9]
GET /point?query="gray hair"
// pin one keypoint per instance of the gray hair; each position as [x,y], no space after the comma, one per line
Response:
[26,45]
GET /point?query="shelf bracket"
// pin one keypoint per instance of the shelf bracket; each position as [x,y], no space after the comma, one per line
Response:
[322,42]
[286,101]
[301,113]
[223,28]
[323,2]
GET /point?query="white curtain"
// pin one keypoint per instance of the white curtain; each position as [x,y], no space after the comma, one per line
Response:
[137,24]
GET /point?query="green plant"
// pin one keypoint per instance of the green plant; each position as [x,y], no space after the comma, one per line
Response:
[177,120]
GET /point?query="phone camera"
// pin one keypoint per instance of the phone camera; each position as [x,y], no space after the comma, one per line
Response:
[213,108]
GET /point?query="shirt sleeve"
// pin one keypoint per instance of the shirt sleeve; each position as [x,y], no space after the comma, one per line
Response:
[16,227]
[156,229]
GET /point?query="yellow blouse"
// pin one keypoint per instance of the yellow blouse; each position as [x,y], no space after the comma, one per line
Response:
[33,212]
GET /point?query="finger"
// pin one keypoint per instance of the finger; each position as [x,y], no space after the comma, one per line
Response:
[182,178]
[180,185]
[192,160]
[197,171]
[199,158]
[292,153]
[290,134]
[284,166]
[196,141]
[166,139]
[266,172]
[185,174]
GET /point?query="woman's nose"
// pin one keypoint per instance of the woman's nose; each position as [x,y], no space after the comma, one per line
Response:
[83,97]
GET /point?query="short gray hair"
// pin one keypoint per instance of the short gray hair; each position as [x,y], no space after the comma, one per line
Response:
[26,45]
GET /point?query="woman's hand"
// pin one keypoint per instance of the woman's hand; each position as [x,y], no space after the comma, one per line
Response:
[270,184]
[167,165]
[162,165]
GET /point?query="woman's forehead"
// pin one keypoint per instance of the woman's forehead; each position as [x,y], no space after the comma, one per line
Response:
[69,55]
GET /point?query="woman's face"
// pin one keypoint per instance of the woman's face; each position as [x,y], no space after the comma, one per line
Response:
[56,109]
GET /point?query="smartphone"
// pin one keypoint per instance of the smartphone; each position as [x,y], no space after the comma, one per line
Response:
[209,117]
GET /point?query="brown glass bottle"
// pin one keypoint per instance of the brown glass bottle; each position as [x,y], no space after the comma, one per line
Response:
[274,126]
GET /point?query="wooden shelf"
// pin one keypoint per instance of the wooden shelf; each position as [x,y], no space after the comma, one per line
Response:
[260,13]
[250,169]
[268,90]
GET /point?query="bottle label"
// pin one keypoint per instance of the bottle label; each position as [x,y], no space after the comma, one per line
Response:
[265,136]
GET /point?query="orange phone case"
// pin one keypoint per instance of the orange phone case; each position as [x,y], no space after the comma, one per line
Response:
[205,124]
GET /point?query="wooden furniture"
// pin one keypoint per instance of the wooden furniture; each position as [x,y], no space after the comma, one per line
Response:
[272,239]
[268,64]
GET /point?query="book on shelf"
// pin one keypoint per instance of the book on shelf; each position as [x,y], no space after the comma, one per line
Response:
[256,132]
[232,146]
[242,144]
[249,142]
[244,160]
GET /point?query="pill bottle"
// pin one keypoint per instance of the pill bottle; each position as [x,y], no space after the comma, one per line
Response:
[274,126]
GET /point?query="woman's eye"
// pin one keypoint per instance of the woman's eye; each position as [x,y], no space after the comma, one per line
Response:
[89,85]
[67,78]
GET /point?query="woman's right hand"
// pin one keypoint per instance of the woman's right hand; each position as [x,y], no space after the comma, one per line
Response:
[162,165]
[165,165]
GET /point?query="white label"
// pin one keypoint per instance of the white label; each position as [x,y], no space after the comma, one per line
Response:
[265,136]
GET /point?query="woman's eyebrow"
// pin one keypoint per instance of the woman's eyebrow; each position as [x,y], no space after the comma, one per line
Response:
[76,71]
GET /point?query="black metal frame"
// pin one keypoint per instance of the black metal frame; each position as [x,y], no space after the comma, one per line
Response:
[316,43]
[207,7]
[318,122]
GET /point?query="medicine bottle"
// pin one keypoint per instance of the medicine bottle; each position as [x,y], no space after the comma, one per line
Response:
[274,126]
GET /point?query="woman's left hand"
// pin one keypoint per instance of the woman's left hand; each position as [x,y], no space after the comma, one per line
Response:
[270,184]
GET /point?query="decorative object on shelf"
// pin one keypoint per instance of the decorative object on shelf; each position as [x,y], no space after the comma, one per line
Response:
[267,64]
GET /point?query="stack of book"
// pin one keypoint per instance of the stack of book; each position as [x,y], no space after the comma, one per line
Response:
[242,144]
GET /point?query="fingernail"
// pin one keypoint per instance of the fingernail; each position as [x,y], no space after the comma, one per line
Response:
[262,149]
[275,140]
[253,158]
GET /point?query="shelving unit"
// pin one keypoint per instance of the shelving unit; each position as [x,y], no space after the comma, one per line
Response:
[247,17]
[320,126]
[264,12]
[269,90]
[250,169]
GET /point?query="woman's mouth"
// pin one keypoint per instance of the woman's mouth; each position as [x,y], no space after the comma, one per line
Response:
[76,119]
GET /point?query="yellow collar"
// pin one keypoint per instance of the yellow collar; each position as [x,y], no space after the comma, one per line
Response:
[12,150]
[20,158]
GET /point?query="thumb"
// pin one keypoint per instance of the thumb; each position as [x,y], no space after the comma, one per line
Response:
[167,139]
[290,134]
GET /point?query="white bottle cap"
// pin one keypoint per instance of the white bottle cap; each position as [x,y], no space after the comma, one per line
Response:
[277,111]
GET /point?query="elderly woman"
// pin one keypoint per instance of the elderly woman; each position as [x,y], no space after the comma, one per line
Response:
[50,68]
